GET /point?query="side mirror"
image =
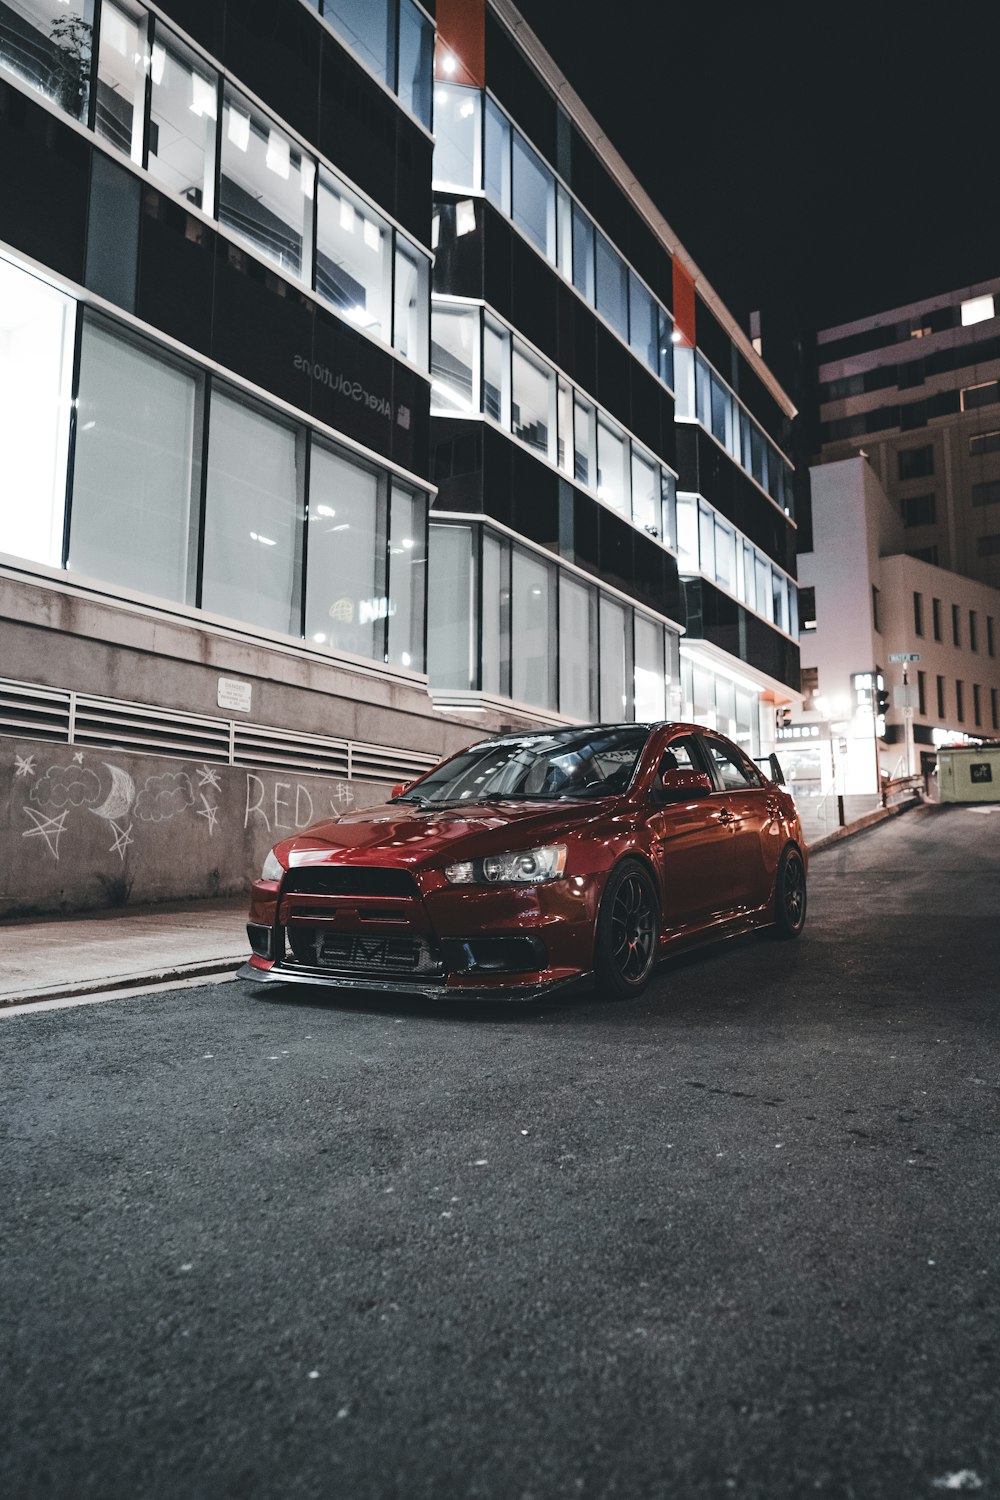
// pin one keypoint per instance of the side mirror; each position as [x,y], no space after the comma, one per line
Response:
[681,786]
[398,790]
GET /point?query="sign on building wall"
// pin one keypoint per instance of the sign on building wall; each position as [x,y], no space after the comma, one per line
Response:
[234,694]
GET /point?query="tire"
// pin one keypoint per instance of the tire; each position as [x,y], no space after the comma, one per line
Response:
[627,939]
[790,895]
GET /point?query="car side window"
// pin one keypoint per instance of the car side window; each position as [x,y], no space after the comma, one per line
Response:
[679,755]
[733,775]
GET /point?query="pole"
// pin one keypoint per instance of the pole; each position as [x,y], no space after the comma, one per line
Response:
[908,720]
[878,764]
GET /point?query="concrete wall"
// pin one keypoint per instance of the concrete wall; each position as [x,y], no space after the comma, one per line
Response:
[103,827]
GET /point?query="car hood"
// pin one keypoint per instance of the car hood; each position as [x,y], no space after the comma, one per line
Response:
[415,837]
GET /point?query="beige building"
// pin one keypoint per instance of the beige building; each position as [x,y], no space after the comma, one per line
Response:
[863,601]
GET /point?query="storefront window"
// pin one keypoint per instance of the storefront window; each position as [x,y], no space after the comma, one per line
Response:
[267,186]
[614,662]
[407,578]
[46,44]
[36,363]
[454,359]
[495,606]
[457,136]
[533,609]
[650,688]
[451,608]
[183,112]
[346,601]
[252,518]
[577,654]
[353,258]
[134,519]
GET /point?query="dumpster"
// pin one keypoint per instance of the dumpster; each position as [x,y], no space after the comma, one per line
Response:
[969,773]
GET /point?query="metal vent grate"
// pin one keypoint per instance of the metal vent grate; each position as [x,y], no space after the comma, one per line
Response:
[42,713]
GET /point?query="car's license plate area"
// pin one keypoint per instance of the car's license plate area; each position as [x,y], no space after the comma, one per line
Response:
[320,946]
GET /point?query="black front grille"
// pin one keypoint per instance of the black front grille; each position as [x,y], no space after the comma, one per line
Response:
[348,880]
[319,947]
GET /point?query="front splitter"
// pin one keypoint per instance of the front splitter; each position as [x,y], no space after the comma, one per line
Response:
[522,994]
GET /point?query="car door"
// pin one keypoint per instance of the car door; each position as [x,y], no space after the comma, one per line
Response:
[745,808]
[689,842]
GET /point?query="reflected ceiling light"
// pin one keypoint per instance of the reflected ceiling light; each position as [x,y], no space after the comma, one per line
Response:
[327,511]
[319,637]
[440,96]
[977,310]
[307,177]
[465,217]
[676,337]
[159,63]
[279,158]
[203,100]
[449,63]
[408,542]
[265,541]
[347,215]
[238,128]
[372,237]
[405,658]
[466,110]
[344,526]
[114,31]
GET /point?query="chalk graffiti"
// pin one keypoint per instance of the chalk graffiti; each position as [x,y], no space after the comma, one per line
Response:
[78,757]
[344,794]
[119,799]
[280,809]
[24,765]
[208,777]
[50,830]
[66,786]
[123,837]
[163,797]
[210,812]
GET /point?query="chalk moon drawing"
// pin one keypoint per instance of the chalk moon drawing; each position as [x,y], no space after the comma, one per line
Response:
[119,799]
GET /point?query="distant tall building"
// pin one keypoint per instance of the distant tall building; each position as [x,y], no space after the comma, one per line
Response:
[917,389]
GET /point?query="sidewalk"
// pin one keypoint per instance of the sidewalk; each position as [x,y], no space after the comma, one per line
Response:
[52,958]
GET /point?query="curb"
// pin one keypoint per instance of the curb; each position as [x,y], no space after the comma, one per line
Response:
[206,968]
[870,820]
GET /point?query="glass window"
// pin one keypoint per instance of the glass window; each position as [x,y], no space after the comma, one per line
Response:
[564,231]
[702,391]
[267,186]
[533,197]
[253,511]
[668,509]
[584,441]
[779,590]
[122,57]
[725,557]
[687,531]
[345,556]
[451,609]
[650,688]
[454,356]
[183,113]
[533,402]
[665,335]
[366,26]
[496,168]
[915,463]
[645,492]
[47,45]
[416,53]
[612,285]
[564,415]
[750,575]
[496,372]
[583,254]
[577,656]
[643,323]
[495,604]
[612,465]
[758,456]
[36,365]
[353,258]
[732,773]
[411,314]
[614,662]
[720,414]
[533,605]
[706,540]
[457,136]
[134,516]
[407,578]
[765,600]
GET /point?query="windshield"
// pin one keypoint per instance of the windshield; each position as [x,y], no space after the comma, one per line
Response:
[566,763]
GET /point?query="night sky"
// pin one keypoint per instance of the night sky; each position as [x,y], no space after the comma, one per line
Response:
[819,162]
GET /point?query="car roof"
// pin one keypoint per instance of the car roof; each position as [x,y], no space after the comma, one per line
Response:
[573,731]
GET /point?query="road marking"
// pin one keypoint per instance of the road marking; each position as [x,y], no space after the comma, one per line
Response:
[66,1002]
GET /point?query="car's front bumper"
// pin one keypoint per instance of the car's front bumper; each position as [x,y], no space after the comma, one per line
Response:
[501,991]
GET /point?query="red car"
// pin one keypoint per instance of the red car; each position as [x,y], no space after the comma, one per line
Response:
[530,863]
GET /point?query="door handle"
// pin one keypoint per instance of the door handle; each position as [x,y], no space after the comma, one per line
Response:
[773,807]
[725,816]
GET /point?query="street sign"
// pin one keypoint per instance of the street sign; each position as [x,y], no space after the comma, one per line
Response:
[904,656]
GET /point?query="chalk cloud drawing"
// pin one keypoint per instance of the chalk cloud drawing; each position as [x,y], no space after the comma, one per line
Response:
[163,797]
[119,799]
[50,830]
[208,777]
[123,837]
[210,812]
[67,786]
[24,765]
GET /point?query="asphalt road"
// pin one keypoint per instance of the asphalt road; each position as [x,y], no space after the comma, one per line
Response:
[738,1238]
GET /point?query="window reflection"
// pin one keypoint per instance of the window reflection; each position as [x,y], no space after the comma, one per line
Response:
[533,402]
[533,601]
[353,259]
[346,555]
[267,185]
[183,111]
[367,27]
[411,303]
[496,372]
[416,51]
[46,44]
[121,76]
[457,160]
[533,197]
[454,351]
[407,579]
[612,471]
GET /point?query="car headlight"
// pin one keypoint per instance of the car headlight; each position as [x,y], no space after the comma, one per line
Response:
[273,868]
[527,867]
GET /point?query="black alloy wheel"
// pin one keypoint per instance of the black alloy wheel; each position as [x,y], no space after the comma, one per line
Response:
[628,931]
[790,895]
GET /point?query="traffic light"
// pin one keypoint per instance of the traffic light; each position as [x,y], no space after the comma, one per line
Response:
[782,718]
[881,702]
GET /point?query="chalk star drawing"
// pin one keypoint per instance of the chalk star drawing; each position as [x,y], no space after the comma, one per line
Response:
[208,777]
[123,837]
[344,795]
[24,765]
[78,757]
[210,812]
[49,829]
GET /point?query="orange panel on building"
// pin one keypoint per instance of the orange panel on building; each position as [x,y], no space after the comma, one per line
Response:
[460,53]
[684,303]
